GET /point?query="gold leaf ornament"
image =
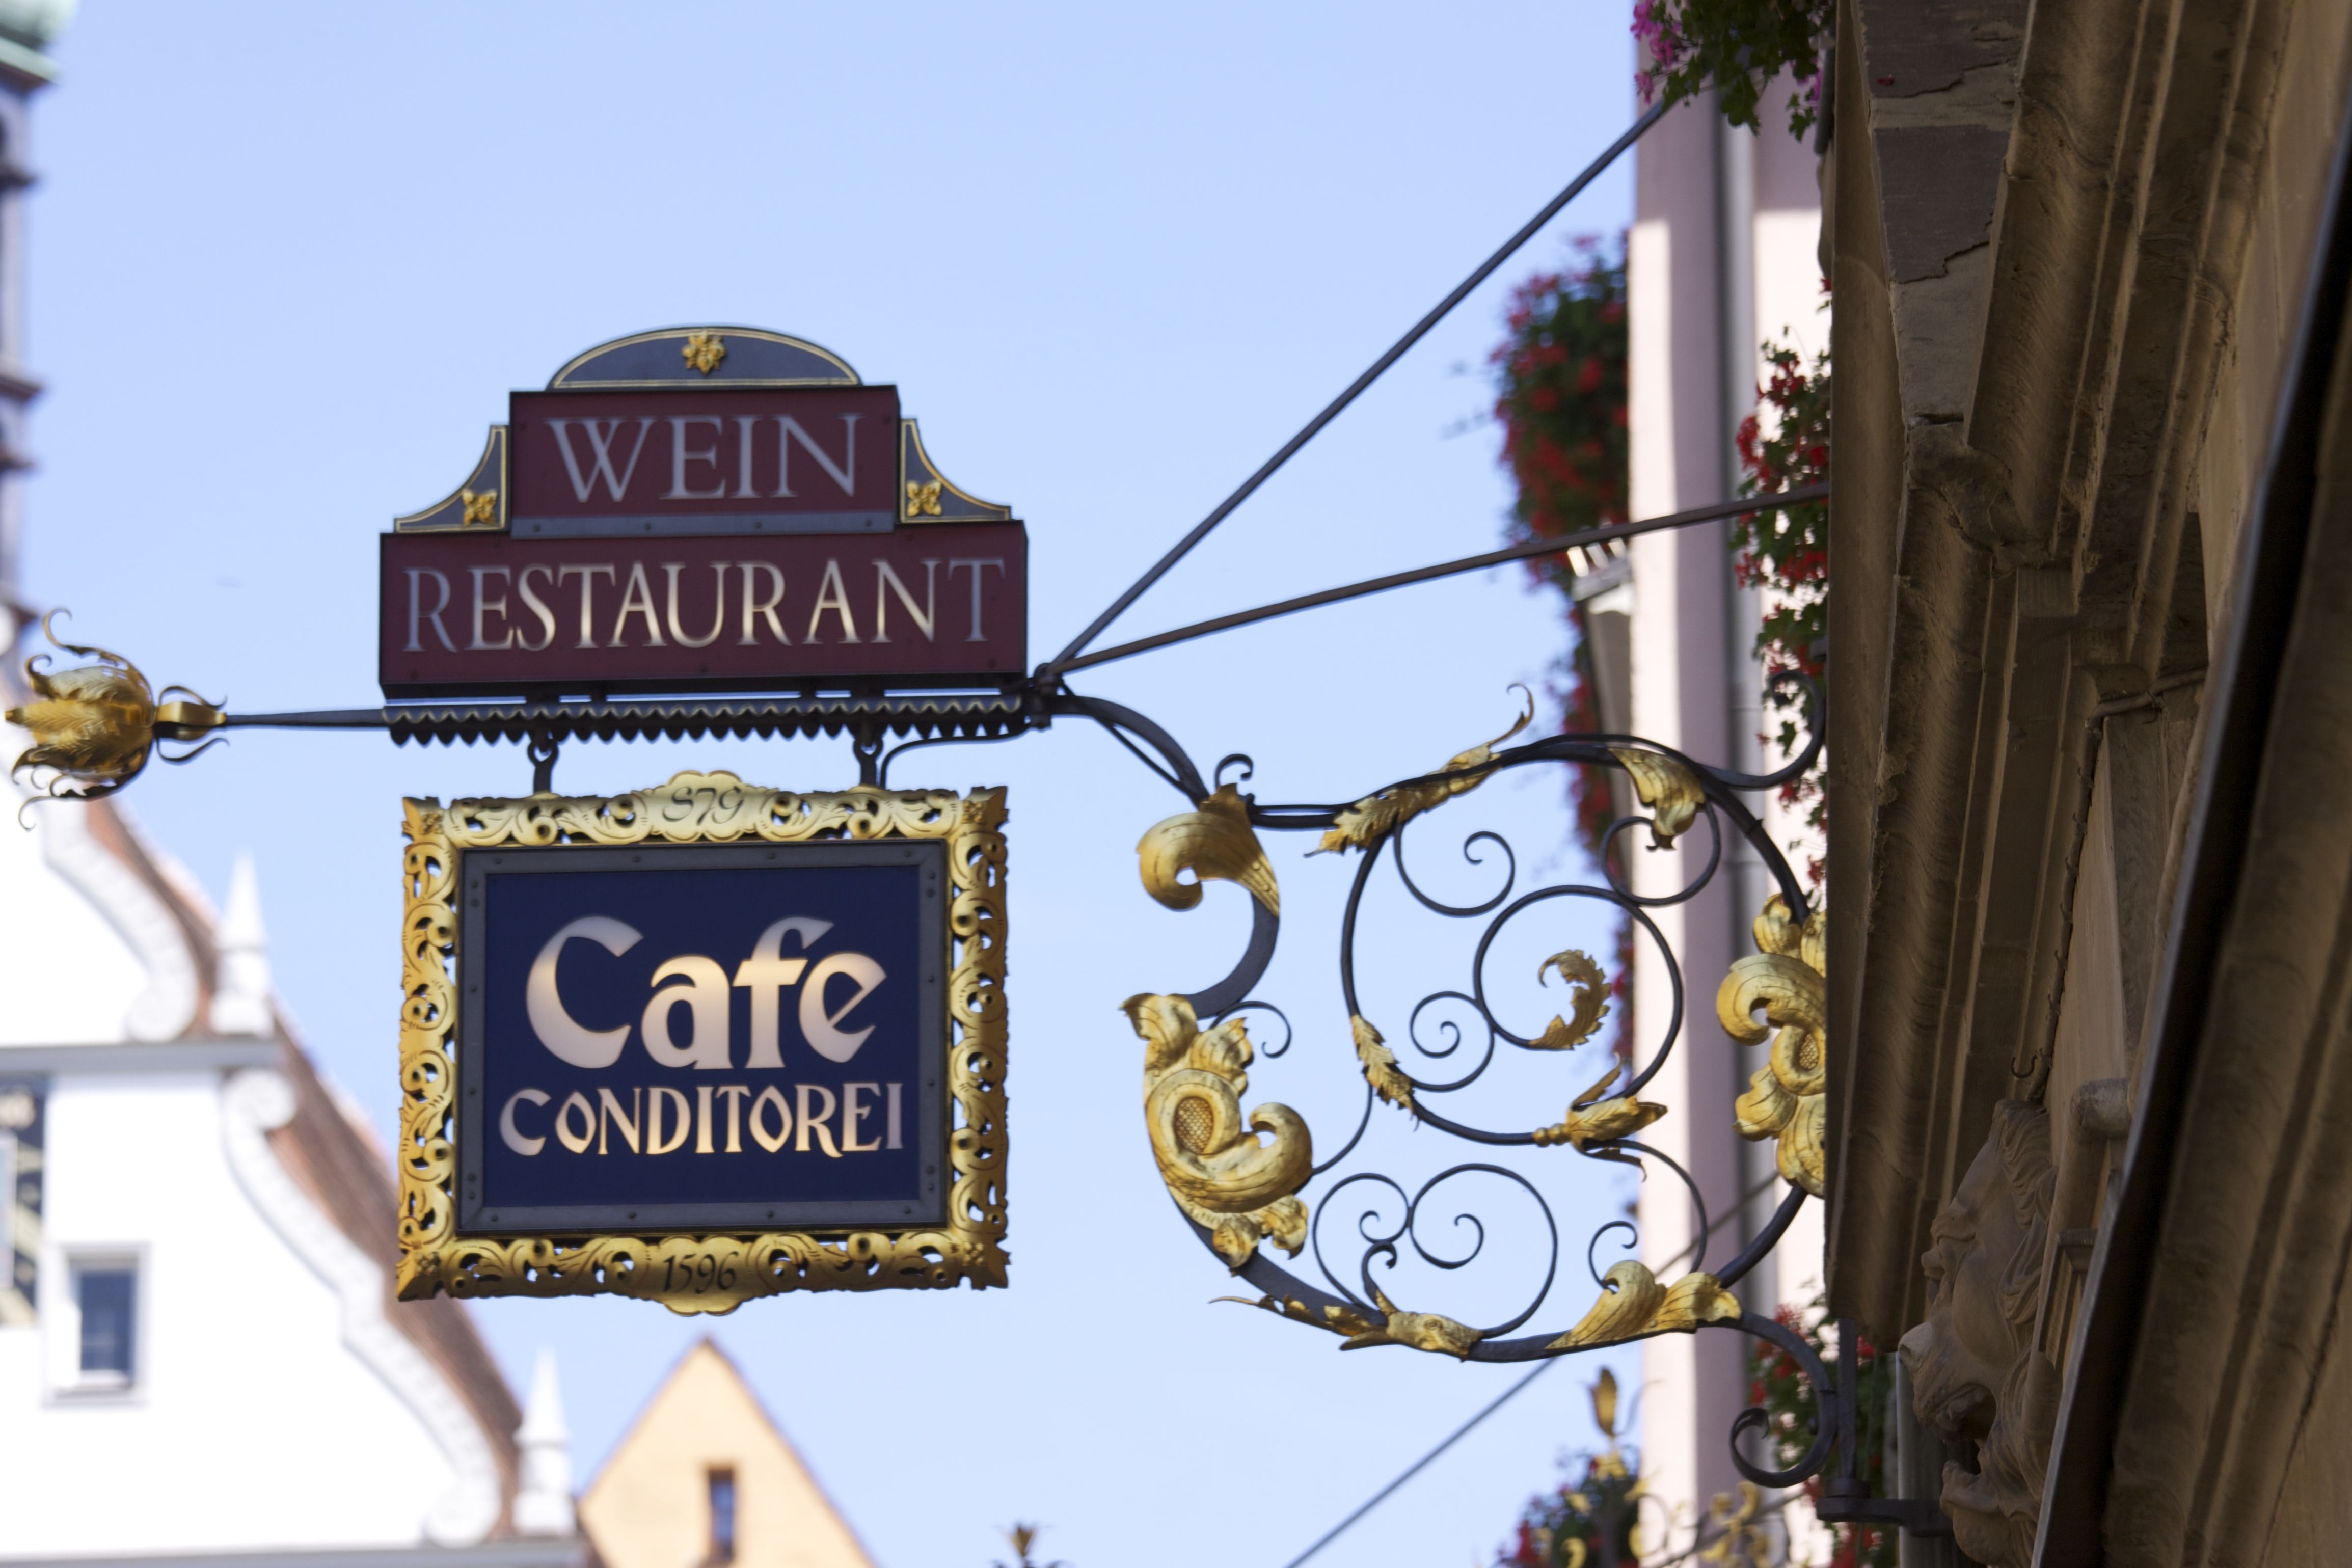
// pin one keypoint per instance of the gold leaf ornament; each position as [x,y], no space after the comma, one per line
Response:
[1376,816]
[703,351]
[1787,1098]
[97,724]
[1740,1544]
[1215,843]
[1591,1120]
[1418,1331]
[1380,1064]
[481,508]
[923,497]
[1611,1464]
[1633,1305]
[1240,1190]
[1669,789]
[1588,1002]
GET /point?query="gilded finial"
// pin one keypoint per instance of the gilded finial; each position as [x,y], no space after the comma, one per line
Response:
[1021,1538]
[97,724]
[1605,1416]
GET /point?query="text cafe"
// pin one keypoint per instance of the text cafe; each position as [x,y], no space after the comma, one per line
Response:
[702,1037]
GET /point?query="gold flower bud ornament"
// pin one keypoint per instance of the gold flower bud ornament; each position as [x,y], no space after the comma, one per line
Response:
[97,725]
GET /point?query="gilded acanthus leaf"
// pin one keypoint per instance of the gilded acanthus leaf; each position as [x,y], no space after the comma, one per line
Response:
[1215,843]
[1289,1307]
[1240,1190]
[1785,981]
[1788,992]
[1591,1120]
[1420,1330]
[1380,1064]
[1778,931]
[1800,1153]
[1765,1109]
[1633,1305]
[1376,816]
[1416,1331]
[1669,789]
[1588,1003]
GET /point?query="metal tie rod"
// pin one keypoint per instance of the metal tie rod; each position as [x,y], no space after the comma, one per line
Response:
[1533,547]
[1067,658]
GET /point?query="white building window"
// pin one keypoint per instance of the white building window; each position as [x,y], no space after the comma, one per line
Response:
[106,1297]
[96,1334]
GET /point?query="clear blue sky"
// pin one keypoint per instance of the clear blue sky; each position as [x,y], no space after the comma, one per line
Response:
[286,261]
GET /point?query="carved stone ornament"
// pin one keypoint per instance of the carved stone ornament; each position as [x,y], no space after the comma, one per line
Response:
[1975,1371]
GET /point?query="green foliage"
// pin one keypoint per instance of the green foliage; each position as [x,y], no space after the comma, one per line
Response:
[1786,551]
[1735,46]
[1585,1525]
[1561,398]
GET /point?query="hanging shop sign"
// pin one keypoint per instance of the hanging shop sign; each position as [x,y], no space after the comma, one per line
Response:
[704,1043]
[701,509]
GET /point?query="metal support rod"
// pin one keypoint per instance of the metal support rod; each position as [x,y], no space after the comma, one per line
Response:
[322,719]
[866,740]
[1521,552]
[1421,329]
[542,749]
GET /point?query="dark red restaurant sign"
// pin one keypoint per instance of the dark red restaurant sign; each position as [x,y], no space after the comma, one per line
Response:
[689,510]
[468,615]
[796,461]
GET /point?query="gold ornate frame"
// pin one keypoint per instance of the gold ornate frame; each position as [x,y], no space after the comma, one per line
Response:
[702,1273]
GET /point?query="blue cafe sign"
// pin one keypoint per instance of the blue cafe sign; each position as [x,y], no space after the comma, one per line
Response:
[702,1037]
[702,1043]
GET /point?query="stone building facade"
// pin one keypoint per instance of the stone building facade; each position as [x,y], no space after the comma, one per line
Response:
[2090,708]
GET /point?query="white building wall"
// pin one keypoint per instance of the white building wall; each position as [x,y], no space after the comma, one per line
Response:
[273,1403]
[1722,248]
[68,975]
[251,1423]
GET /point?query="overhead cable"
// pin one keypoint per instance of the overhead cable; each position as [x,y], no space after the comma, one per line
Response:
[1064,660]
[1525,550]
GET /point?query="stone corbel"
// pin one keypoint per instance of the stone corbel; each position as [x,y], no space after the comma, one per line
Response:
[2098,1119]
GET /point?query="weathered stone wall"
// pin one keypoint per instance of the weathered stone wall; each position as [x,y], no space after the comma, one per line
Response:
[2070,250]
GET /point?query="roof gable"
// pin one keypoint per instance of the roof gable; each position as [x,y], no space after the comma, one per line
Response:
[650,1505]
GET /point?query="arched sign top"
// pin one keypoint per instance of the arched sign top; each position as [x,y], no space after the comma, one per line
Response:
[703,357]
[702,509]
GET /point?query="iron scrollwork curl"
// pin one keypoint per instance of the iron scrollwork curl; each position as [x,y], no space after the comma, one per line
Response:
[1241,1192]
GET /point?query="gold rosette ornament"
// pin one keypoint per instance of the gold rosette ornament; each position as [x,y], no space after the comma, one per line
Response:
[1785,1099]
[1240,1190]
